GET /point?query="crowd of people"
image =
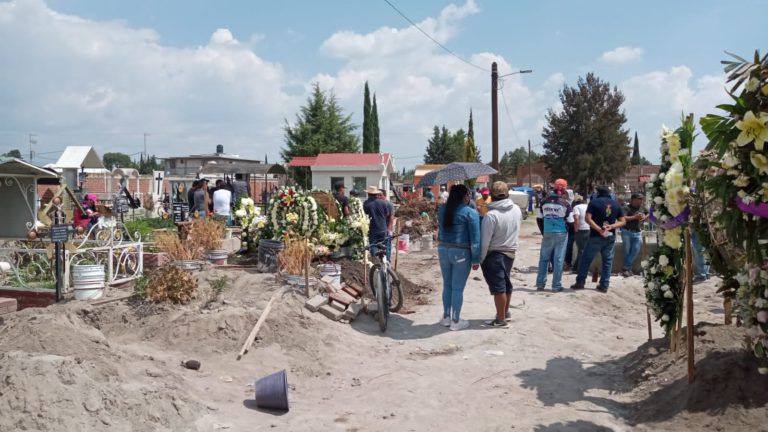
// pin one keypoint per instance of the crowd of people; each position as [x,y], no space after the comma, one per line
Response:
[486,236]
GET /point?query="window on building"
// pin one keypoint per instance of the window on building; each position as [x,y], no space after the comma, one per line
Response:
[359,184]
[173,163]
[335,181]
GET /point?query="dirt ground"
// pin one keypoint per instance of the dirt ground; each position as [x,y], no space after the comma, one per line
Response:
[572,361]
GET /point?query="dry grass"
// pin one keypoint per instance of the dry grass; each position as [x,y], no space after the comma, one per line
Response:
[294,257]
[177,248]
[171,283]
[208,233]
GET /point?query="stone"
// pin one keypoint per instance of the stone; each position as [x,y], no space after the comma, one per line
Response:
[343,298]
[371,308]
[352,311]
[351,291]
[316,302]
[330,312]
[8,305]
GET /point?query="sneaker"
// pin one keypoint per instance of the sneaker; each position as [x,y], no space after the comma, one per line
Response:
[496,323]
[539,288]
[461,325]
[626,273]
[577,286]
[699,279]
[602,289]
[508,316]
[445,322]
[557,290]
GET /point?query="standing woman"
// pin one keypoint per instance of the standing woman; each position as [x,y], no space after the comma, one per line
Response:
[458,250]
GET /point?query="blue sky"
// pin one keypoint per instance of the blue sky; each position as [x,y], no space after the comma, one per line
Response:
[199,73]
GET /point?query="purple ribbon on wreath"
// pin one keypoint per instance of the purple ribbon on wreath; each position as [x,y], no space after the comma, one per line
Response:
[756,209]
[674,222]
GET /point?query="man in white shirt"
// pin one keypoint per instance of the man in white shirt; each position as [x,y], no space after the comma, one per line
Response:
[222,202]
[581,227]
[443,195]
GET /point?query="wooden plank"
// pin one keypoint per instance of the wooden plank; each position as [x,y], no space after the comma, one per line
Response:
[259,323]
[689,304]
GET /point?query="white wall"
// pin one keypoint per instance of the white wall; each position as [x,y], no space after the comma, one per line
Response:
[322,179]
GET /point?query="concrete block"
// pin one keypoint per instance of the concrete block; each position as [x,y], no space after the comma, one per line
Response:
[352,311]
[336,286]
[343,298]
[372,308]
[327,279]
[356,287]
[316,302]
[330,312]
[338,306]
[351,291]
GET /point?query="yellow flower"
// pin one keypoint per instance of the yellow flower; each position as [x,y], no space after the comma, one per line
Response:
[760,162]
[753,129]
[765,90]
[765,192]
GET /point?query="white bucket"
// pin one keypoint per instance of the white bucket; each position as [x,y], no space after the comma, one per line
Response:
[88,281]
[332,270]
[427,242]
[415,246]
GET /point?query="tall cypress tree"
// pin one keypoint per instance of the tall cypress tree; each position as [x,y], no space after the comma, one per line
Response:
[471,152]
[367,126]
[375,126]
[636,152]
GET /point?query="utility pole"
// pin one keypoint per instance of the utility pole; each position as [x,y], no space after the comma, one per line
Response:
[145,146]
[530,173]
[31,141]
[494,118]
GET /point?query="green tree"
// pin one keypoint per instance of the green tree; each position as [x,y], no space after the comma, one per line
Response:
[437,147]
[146,166]
[512,160]
[15,153]
[457,143]
[375,126]
[636,152]
[117,160]
[471,136]
[367,122]
[320,127]
[586,142]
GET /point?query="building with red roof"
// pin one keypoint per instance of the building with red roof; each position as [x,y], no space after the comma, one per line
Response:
[355,170]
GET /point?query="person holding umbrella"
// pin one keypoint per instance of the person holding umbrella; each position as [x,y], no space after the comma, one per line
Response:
[458,252]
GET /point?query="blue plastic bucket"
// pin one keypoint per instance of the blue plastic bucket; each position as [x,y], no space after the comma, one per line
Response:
[272,391]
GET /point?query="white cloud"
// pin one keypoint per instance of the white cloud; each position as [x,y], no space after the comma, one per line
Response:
[104,83]
[660,97]
[622,54]
[78,81]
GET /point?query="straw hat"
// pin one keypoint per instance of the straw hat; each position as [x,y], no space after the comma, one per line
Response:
[373,190]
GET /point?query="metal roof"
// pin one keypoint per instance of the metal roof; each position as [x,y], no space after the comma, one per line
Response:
[13,167]
[79,157]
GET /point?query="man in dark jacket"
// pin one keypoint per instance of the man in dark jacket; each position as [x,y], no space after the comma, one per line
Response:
[604,215]
[379,214]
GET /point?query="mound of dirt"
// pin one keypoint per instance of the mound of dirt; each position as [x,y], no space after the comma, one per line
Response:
[61,373]
[412,217]
[728,392]
[415,294]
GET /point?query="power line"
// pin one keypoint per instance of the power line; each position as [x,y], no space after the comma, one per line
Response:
[434,40]
[506,109]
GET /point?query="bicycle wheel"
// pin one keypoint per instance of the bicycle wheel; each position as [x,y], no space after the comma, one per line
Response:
[378,285]
[395,292]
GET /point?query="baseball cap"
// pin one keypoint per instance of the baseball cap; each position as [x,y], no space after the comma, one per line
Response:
[561,184]
[500,189]
[484,191]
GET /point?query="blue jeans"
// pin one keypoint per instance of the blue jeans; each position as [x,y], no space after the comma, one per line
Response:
[455,265]
[631,241]
[375,238]
[702,269]
[552,243]
[595,245]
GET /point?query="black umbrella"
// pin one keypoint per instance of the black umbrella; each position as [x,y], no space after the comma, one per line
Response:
[456,171]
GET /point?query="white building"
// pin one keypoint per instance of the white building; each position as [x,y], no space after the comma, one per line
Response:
[355,170]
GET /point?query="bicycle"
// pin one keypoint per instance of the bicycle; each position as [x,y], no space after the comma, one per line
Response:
[385,285]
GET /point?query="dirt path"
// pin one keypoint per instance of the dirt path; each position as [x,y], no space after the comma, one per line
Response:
[552,370]
[564,364]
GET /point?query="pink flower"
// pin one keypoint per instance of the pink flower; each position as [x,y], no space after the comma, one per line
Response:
[762,316]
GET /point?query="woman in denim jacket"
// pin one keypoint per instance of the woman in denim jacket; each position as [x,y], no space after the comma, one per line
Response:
[459,250]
